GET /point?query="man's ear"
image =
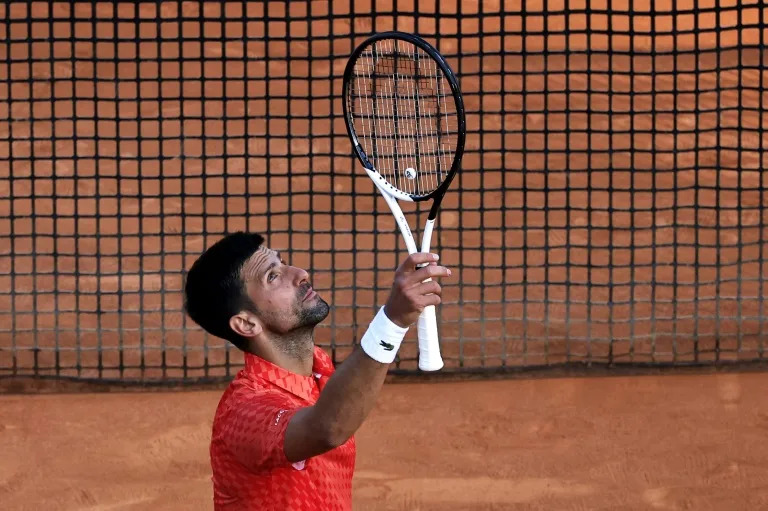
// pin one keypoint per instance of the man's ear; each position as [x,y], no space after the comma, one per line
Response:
[245,324]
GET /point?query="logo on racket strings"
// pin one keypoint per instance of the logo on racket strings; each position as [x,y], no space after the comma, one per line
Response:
[410,173]
[386,345]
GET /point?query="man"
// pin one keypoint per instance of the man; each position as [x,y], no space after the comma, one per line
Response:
[283,431]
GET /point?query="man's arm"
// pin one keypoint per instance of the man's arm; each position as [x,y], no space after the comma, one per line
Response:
[351,392]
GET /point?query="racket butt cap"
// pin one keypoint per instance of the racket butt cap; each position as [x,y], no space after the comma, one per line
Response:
[430,365]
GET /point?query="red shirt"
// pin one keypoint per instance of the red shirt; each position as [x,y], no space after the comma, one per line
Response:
[250,470]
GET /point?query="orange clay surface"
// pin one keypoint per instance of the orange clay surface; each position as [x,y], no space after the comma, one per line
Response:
[614,443]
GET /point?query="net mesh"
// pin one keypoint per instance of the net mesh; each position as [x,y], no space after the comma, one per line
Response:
[611,207]
[404,115]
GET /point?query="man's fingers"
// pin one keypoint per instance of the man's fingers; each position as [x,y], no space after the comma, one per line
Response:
[433,299]
[413,261]
[428,288]
[428,272]
[413,288]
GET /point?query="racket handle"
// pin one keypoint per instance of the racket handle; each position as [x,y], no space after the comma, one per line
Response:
[429,346]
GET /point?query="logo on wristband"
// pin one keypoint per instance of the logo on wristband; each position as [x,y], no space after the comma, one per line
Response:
[386,345]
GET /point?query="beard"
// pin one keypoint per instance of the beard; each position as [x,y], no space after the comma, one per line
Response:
[309,315]
[298,342]
[292,327]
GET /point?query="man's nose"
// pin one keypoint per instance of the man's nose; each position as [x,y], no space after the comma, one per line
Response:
[301,275]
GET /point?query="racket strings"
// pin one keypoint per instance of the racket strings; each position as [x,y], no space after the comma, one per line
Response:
[404,114]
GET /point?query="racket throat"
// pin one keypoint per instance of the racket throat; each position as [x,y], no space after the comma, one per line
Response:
[426,238]
[434,209]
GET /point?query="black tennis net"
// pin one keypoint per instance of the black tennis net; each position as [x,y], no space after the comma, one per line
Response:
[611,209]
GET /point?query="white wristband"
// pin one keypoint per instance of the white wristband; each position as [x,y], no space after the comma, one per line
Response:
[382,339]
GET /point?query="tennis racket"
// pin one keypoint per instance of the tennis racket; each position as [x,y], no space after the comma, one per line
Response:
[405,116]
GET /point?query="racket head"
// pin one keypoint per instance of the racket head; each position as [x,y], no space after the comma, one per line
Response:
[404,113]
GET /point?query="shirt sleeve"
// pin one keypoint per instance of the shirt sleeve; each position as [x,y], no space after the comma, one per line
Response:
[254,430]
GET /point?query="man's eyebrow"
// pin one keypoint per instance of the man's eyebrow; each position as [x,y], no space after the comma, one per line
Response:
[271,266]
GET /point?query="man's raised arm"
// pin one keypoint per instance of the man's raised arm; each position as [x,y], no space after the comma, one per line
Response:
[351,392]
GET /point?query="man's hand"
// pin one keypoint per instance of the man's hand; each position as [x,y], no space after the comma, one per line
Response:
[410,293]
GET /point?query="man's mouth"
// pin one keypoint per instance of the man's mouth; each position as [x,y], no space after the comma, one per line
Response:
[310,294]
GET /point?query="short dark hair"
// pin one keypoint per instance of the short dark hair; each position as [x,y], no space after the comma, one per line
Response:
[215,290]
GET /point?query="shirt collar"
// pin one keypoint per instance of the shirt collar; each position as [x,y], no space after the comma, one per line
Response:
[256,368]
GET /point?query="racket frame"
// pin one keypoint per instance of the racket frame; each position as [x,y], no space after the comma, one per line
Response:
[461,131]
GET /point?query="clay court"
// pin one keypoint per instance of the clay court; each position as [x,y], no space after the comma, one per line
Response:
[631,443]
[607,232]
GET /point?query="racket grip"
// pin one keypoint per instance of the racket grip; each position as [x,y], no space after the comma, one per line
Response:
[429,345]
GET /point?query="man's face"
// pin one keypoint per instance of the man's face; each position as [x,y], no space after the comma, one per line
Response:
[282,294]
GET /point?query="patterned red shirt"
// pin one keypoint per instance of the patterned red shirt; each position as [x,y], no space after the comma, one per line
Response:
[250,470]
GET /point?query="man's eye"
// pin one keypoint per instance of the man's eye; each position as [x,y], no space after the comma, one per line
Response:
[272,276]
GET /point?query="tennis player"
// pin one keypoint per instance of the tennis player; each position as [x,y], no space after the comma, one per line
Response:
[283,431]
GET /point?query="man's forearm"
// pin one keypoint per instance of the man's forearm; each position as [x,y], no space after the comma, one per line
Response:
[349,396]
